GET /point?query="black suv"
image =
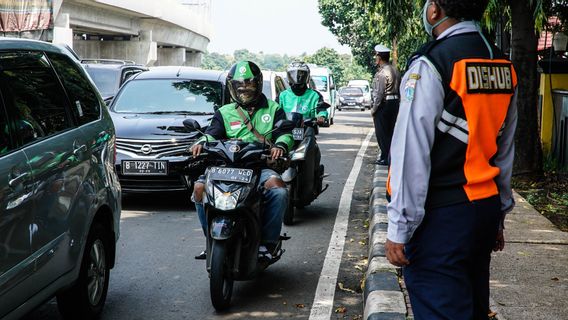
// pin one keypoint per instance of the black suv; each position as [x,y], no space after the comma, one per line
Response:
[109,74]
[148,113]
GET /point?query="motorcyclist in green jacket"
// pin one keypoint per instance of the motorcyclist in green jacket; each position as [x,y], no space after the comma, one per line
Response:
[245,86]
[301,99]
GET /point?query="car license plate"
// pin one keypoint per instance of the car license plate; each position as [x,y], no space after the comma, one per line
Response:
[144,167]
[351,103]
[230,174]
[298,134]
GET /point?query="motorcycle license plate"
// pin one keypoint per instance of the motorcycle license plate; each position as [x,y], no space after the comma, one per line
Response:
[298,134]
[146,167]
[230,174]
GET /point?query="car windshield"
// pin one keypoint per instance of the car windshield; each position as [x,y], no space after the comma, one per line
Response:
[351,91]
[169,96]
[267,89]
[106,80]
[320,82]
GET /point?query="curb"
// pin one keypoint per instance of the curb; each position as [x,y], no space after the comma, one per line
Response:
[383,298]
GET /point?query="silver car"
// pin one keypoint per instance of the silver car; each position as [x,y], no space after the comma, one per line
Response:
[59,193]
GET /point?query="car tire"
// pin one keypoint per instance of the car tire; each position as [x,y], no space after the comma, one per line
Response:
[86,298]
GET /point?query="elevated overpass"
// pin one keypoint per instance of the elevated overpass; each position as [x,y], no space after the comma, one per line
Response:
[150,32]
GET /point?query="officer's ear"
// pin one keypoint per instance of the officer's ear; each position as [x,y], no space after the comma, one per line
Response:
[436,12]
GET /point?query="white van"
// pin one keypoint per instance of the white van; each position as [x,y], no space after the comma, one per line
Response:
[366,87]
[323,80]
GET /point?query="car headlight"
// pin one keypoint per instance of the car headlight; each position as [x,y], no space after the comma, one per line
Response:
[226,200]
[341,99]
[360,100]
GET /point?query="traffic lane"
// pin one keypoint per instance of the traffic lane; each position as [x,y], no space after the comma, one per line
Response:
[157,277]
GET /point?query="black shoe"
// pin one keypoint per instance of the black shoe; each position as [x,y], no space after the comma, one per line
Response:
[382,162]
[202,255]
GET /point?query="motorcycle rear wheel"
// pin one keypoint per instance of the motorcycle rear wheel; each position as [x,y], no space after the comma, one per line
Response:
[288,218]
[220,284]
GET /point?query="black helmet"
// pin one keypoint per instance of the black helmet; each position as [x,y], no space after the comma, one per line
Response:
[245,83]
[298,75]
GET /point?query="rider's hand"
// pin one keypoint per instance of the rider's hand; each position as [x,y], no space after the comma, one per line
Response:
[196,150]
[276,153]
[395,253]
[321,121]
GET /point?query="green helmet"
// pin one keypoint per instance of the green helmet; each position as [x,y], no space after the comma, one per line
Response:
[245,83]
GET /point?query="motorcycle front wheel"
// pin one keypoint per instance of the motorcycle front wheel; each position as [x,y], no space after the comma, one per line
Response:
[288,218]
[220,284]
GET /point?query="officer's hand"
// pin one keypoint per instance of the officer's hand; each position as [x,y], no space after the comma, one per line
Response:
[196,150]
[395,253]
[499,241]
[276,153]
[321,121]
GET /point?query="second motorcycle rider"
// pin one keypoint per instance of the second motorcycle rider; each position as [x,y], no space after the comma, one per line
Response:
[251,117]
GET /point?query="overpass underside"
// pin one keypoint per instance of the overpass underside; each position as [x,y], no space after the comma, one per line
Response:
[151,33]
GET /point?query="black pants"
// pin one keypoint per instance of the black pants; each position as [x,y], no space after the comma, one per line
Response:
[385,119]
[449,254]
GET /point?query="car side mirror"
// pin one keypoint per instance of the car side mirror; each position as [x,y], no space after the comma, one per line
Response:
[191,125]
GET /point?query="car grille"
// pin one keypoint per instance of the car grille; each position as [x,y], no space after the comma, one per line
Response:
[152,183]
[155,148]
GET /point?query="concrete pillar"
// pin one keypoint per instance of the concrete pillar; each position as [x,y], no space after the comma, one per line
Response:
[171,57]
[61,32]
[193,58]
[141,50]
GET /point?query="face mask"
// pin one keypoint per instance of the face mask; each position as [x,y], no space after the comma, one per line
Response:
[427,26]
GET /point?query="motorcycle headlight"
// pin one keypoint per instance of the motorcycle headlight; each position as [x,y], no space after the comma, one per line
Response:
[299,154]
[226,200]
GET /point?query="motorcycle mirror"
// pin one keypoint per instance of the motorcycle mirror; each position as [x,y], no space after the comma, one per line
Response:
[285,125]
[192,125]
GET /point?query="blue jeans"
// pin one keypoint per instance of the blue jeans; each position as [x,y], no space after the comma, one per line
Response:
[276,202]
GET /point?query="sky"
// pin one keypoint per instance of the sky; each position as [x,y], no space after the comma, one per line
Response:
[272,26]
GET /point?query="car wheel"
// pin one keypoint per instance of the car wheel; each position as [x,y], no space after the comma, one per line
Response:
[86,298]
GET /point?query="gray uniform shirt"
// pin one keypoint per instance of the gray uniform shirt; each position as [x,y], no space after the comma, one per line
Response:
[385,82]
[420,110]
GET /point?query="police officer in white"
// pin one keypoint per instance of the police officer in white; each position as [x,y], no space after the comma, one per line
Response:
[385,98]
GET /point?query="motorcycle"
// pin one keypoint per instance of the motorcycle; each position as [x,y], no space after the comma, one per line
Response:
[234,210]
[304,177]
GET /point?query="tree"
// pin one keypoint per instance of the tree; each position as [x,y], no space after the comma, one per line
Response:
[216,61]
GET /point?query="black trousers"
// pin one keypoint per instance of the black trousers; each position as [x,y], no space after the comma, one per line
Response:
[385,119]
[449,254]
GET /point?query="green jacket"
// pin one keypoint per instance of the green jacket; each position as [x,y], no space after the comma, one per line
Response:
[306,104]
[227,124]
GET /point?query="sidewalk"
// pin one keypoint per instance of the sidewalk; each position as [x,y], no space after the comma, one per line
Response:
[529,278]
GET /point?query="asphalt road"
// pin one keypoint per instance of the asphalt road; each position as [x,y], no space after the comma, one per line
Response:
[156,276]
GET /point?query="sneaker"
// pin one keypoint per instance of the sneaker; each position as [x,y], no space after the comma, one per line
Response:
[264,254]
[202,255]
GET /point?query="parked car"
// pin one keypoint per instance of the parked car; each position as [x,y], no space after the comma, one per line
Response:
[59,192]
[272,85]
[366,87]
[324,83]
[351,98]
[109,74]
[148,112]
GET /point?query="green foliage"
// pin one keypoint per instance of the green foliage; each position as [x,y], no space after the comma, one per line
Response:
[361,24]
[343,67]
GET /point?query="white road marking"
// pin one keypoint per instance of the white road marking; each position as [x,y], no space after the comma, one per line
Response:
[323,300]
